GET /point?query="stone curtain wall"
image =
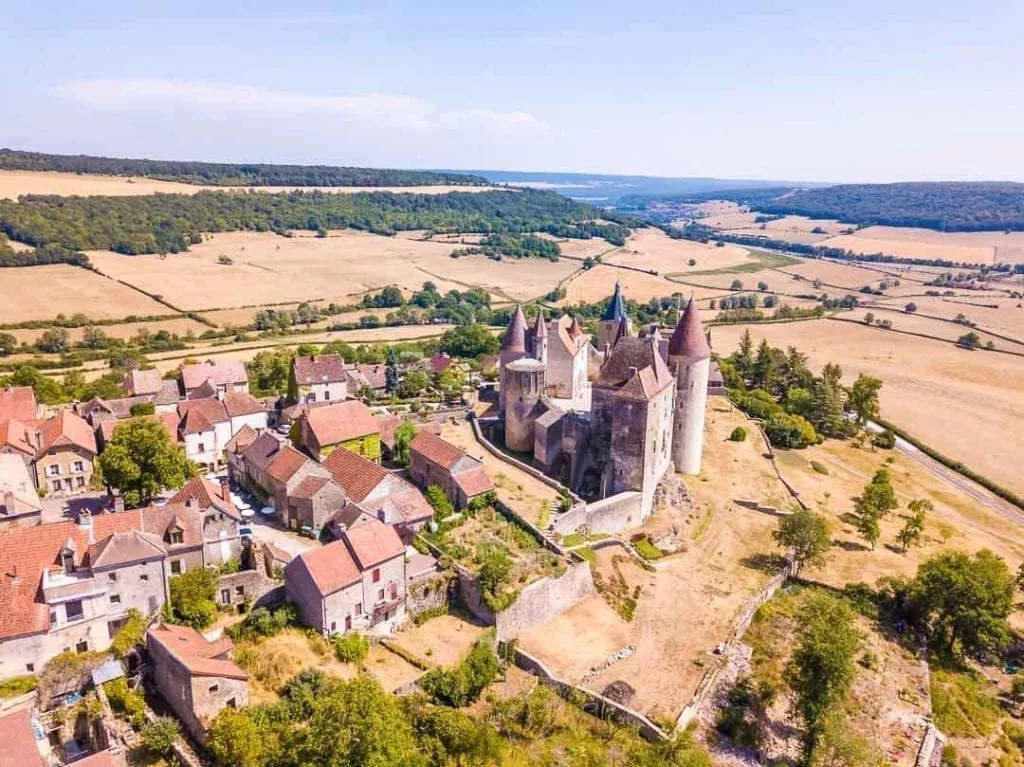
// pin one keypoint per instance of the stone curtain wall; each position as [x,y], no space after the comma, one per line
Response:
[428,594]
[543,600]
[609,515]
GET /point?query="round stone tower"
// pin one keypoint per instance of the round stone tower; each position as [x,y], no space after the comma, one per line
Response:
[513,347]
[524,380]
[690,356]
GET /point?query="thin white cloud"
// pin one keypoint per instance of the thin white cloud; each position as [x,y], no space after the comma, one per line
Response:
[375,109]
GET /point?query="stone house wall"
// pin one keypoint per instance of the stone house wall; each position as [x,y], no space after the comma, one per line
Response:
[245,587]
[429,593]
[209,694]
[73,465]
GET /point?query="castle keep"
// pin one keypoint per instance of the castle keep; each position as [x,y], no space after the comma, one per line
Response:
[611,419]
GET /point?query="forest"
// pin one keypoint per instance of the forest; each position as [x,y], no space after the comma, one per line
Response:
[230,174]
[169,223]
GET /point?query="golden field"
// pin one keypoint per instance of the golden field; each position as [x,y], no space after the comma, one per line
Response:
[598,283]
[42,292]
[652,249]
[906,242]
[179,325]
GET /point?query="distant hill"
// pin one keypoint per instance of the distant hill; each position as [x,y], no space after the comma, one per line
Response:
[607,189]
[231,174]
[946,206]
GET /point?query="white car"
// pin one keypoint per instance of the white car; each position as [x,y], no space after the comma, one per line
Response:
[247,513]
[268,511]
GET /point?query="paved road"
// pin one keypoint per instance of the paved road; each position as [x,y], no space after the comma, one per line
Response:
[971,488]
[265,530]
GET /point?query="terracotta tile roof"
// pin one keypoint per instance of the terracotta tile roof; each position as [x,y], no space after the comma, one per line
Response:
[324,368]
[15,480]
[282,467]
[242,439]
[330,567]
[309,487]
[19,436]
[351,514]
[122,548]
[435,449]
[205,390]
[357,476]
[238,403]
[66,429]
[17,402]
[201,414]
[199,656]
[168,394]
[389,422]
[161,520]
[627,353]
[373,543]
[411,505]
[474,482]
[19,743]
[261,451]
[26,552]
[341,422]
[515,336]
[106,758]
[439,363]
[141,382]
[221,372]
[207,494]
[375,375]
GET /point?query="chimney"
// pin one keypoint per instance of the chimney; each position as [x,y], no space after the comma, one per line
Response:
[118,503]
[8,503]
[85,522]
[13,575]
[191,504]
[225,488]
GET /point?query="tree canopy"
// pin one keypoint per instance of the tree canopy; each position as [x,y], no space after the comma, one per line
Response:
[140,461]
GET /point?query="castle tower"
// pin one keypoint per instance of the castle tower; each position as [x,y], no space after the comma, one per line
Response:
[513,347]
[690,356]
[575,331]
[540,338]
[524,382]
[608,327]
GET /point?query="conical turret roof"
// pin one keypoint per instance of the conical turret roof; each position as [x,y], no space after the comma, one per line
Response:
[540,328]
[575,331]
[616,309]
[515,336]
[688,339]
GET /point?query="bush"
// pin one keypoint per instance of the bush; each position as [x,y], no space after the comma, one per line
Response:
[739,434]
[790,431]
[463,684]
[159,736]
[131,633]
[819,467]
[261,623]
[192,598]
[886,440]
[351,648]
[439,502]
[18,685]
[125,701]
[433,612]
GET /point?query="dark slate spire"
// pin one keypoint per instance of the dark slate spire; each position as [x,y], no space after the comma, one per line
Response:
[688,339]
[617,307]
[540,328]
[515,336]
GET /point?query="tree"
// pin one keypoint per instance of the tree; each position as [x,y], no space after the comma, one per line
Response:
[131,634]
[866,523]
[450,382]
[869,318]
[808,535]
[8,344]
[863,401]
[404,433]
[469,341]
[269,370]
[822,667]
[828,414]
[969,341]
[306,313]
[965,600]
[439,502]
[762,286]
[192,598]
[910,308]
[790,431]
[391,371]
[744,357]
[236,740]
[910,534]
[54,341]
[879,494]
[94,338]
[160,735]
[140,461]
[413,384]
[47,390]
[736,285]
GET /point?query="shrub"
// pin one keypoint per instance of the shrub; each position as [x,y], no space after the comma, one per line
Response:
[192,598]
[739,434]
[463,684]
[439,502]
[131,633]
[647,550]
[125,701]
[819,467]
[351,648]
[791,431]
[159,736]
[886,440]
[18,685]
[261,622]
[434,612]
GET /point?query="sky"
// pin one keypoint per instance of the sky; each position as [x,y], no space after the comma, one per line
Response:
[873,90]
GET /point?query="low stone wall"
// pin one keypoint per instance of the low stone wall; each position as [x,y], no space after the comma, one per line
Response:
[771,456]
[609,515]
[592,702]
[428,593]
[514,518]
[544,599]
[257,589]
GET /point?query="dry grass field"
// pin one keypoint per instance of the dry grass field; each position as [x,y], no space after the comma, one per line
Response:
[967,405]
[41,292]
[915,323]
[599,282]
[835,274]
[1007,319]
[653,249]
[14,183]
[269,269]
[907,242]
[180,325]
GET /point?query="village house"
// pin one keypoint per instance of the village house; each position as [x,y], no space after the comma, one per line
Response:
[19,438]
[67,586]
[19,500]
[382,494]
[356,583]
[317,379]
[65,452]
[17,403]
[371,377]
[348,424]
[141,383]
[387,424]
[195,676]
[434,461]
[207,425]
[276,470]
[223,376]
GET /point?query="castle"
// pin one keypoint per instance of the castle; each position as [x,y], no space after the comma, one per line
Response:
[610,418]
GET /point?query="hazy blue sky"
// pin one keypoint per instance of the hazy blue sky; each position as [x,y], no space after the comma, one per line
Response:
[788,89]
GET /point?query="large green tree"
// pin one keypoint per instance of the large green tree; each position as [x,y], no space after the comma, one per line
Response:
[192,598]
[140,461]
[863,401]
[468,341]
[807,535]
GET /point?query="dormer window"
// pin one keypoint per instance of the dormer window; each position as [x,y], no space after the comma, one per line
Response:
[67,559]
[176,537]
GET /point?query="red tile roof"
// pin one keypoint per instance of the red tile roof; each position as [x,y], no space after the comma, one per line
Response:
[66,429]
[411,504]
[18,402]
[160,520]
[240,403]
[473,482]
[138,382]
[26,552]
[106,758]
[324,368]
[262,451]
[309,487]
[207,494]
[688,340]
[19,436]
[221,372]
[123,548]
[375,375]
[373,543]
[356,475]
[340,423]
[282,467]
[435,449]
[197,654]
[19,744]
[242,439]
[201,414]
[389,422]
[330,567]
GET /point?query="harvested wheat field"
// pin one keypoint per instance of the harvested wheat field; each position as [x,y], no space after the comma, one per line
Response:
[967,405]
[181,326]
[598,283]
[269,269]
[907,242]
[652,249]
[999,314]
[833,274]
[689,604]
[42,292]
[950,331]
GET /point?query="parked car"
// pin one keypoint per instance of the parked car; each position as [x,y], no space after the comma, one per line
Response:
[268,511]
